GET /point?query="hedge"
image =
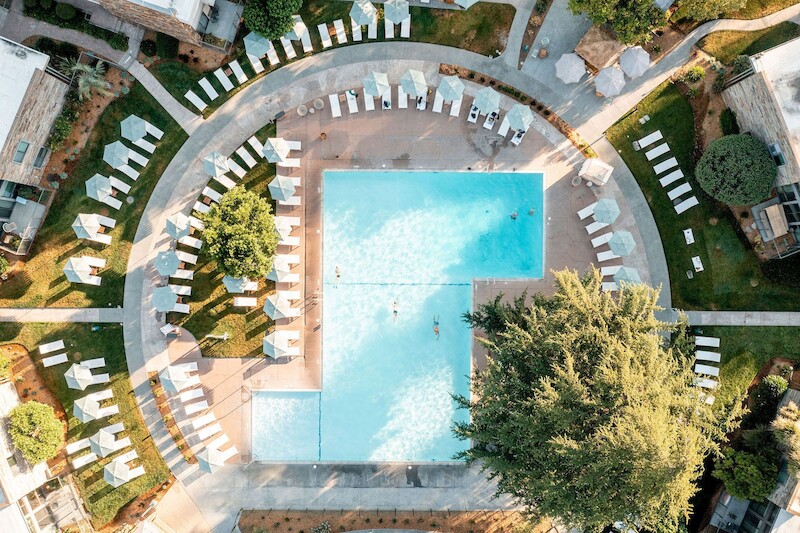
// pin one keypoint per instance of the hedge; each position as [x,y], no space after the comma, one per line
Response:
[737,170]
[166,46]
[727,121]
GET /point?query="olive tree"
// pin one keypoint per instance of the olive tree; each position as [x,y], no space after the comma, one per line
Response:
[35,431]
[737,170]
[631,20]
[270,18]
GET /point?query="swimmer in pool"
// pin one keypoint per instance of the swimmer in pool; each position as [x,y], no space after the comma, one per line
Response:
[532,211]
[514,215]
[436,326]
[338,276]
[394,311]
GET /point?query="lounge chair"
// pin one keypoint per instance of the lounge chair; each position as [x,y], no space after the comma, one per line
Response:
[196,407]
[83,460]
[192,242]
[688,236]
[245,301]
[671,178]
[336,111]
[246,157]
[679,191]
[227,454]
[341,35]
[193,394]
[236,169]
[355,29]
[305,37]
[472,118]
[290,241]
[293,201]
[352,101]
[51,347]
[211,194]
[258,66]
[665,165]
[372,30]
[196,223]
[491,120]
[292,221]
[594,227]
[129,171]
[241,77]
[181,290]
[256,145]
[217,443]
[138,158]
[422,102]
[292,162]
[54,360]
[288,48]
[186,257]
[609,270]
[99,379]
[196,100]
[98,362]
[711,342]
[324,35]
[706,383]
[152,130]
[505,125]
[200,207]
[289,259]
[597,242]
[369,102]
[706,370]
[646,141]
[402,98]
[77,446]
[587,211]
[388,29]
[208,88]
[405,28]
[608,286]
[697,263]
[225,181]
[272,55]
[686,204]
[608,255]
[145,145]
[224,80]
[658,151]
[707,398]
[517,138]
[386,100]
[209,431]
[703,355]
[438,103]
[455,107]
[183,274]
[203,421]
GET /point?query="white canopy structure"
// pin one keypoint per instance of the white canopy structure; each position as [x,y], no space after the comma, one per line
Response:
[281,188]
[256,44]
[487,100]
[363,13]
[86,226]
[376,84]
[451,88]
[174,379]
[133,128]
[178,226]
[570,68]
[396,10]
[164,299]
[215,164]
[520,117]
[78,377]
[276,150]
[634,61]
[413,83]
[167,263]
[277,306]
[610,81]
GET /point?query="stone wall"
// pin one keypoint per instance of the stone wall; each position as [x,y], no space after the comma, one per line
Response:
[40,107]
[757,112]
[152,19]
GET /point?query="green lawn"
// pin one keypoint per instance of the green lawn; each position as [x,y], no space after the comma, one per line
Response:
[755,9]
[212,310]
[102,501]
[727,45]
[482,29]
[42,283]
[732,278]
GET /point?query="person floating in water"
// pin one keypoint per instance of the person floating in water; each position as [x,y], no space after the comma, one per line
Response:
[531,211]
[436,326]
[338,277]
[514,215]
[394,310]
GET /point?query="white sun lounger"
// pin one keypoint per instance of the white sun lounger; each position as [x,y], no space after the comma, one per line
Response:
[587,211]
[289,259]
[203,421]
[697,263]
[609,286]
[54,360]
[711,342]
[680,190]
[292,162]
[193,242]
[138,158]
[51,347]
[405,28]
[658,151]
[190,395]
[602,239]
[402,98]
[245,301]
[290,241]
[646,141]
[200,207]
[236,169]
[671,178]
[112,202]
[102,239]
[707,370]
[455,107]
[272,55]
[128,171]
[246,157]
[77,446]
[258,66]
[241,77]
[152,130]
[224,80]
[422,103]
[256,145]
[225,181]
[181,290]
[145,145]
[386,100]
[196,223]
[324,35]
[472,118]
[438,102]
[195,100]
[369,102]
[218,442]
[107,411]
[355,29]
[665,165]
[291,278]
[609,270]
[209,431]
[352,101]
[83,460]
[227,454]
[119,185]
[288,48]
[186,257]
[293,201]
[341,36]
[294,312]
[388,29]
[98,362]
[706,383]
[336,111]
[208,88]
[196,407]
[372,30]
[101,395]
[502,131]
[98,379]
[305,38]
[290,295]
[212,195]
[491,120]
[183,274]
[686,204]
[608,255]
[292,221]
[703,355]
[595,227]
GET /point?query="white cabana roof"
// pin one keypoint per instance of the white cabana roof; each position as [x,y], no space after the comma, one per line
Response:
[178,225]
[215,164]
[376,83]
[487,100]
[634,61]
[610,81]
[413,83]
[570,68]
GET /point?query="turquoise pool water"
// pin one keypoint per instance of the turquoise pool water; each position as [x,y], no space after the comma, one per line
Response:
[417,239]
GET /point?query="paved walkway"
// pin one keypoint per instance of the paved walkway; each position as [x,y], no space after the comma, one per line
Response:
[54,314]
[185,118]
[743,318]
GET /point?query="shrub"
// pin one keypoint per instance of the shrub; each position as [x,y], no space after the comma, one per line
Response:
[35,431]
[30,4]
[719,83]
[747,475]
[541,6]
[786,428]
[3,264]
[5,367]
[694,92]
[67,50]
[727,121]
[62,127]
[118,41]
[46,4]
[166,46]
[65,11]
[765,399]
[148,47]
[737,170]
[46,45]
[741,64]
[695,74]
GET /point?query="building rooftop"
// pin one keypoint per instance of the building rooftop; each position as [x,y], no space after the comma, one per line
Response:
[17,66]
[184,10]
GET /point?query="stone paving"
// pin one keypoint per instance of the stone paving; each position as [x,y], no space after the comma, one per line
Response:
[42,314]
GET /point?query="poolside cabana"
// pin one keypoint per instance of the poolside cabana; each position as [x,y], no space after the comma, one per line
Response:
[487,100]
[174,379]
[256,44]
[215,164]
[634,61]
[99,188]
[133,128]
[451,88]
[167,263]
[116,154]
[277,306]
[178,226]
[78,377]
[622,243]
[396,11]
[277,344]
[276,150]
[235,285]
[376,84]
[164,299]
[606,211]
[86,409]
[281,188]
[413,83]
[609,82]
[103,443]
[82,269]
[627,274]
[570,68]
[363,13]
[520,117]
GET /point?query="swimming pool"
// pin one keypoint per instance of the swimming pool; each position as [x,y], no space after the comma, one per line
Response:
[411,242]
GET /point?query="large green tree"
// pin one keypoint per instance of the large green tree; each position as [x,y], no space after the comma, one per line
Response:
[631,20]
[737,170]
[583,412]
[240,234]
[709,9]
[35,431]
[270,18]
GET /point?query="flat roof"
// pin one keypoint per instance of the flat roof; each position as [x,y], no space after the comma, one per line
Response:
[17,66]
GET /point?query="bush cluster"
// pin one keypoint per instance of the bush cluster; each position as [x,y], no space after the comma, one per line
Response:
[62,127]
[63,50]
[765,399]
[166,46]
[65,12]
[148,47]
[741,64]
[727,121]
[36,9]
[695,74]
[737,170]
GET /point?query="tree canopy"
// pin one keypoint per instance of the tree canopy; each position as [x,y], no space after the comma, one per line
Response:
[748,475]
[270,18]
[35,431]
[631,20]
[240,234]
[583,412]
[709,9]
[737,170]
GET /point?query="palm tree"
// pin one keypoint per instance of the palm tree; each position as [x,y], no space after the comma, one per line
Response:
[91,78]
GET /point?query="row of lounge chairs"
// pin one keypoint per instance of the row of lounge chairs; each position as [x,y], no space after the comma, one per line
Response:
[704,370]
[226,76]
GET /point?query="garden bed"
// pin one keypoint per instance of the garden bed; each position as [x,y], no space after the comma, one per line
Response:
[117,41]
